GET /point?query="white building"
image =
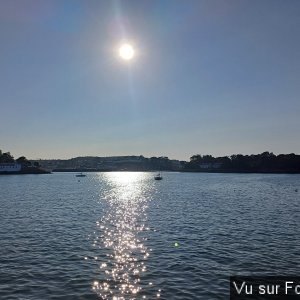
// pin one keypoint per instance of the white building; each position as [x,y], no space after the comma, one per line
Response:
[10,167]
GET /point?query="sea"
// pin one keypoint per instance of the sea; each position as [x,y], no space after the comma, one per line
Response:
[123,235]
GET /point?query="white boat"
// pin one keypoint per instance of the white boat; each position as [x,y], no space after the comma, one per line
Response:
[80,175]
[158,176]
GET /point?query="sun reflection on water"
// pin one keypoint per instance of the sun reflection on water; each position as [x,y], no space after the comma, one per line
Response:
[121,232]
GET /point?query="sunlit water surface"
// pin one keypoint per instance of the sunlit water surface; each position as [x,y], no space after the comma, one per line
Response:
[122,235]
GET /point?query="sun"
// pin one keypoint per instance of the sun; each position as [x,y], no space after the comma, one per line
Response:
[126,52]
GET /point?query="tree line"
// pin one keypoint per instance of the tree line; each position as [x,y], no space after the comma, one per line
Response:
[6,157]
[266,162]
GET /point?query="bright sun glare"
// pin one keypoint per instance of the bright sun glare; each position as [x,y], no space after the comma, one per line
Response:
[126,52]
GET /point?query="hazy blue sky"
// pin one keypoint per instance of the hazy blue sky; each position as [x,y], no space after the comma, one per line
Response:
[210,77]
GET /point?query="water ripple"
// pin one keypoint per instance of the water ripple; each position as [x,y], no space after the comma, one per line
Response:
[125,236]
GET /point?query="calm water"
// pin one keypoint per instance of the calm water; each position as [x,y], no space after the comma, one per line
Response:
[113,235]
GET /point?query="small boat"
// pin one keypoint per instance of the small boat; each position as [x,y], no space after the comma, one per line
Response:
[158,177]
[80,175]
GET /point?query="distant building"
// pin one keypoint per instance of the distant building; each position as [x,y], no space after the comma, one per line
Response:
[10,167]
[216,165]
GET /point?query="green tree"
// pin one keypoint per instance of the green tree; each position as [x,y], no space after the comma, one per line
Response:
[195,158]
[22,160]
[6,158]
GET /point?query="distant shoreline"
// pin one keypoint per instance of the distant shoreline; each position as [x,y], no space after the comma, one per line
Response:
[26,171]
[242,172]
[146,171]
[264,163]
[176,171]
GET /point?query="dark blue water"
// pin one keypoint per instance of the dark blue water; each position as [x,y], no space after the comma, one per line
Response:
[126,236]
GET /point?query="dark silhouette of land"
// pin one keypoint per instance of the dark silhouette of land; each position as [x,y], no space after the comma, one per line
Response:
[112,163]
[8,163]
[266,162]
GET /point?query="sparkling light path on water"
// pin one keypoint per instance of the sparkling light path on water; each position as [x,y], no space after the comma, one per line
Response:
[121,233]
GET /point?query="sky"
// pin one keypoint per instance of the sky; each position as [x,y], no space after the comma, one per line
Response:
[208,77]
